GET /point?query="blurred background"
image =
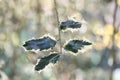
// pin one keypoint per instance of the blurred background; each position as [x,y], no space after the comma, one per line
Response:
[22,20]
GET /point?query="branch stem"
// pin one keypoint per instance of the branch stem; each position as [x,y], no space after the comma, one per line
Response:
[58,22]
[113,50]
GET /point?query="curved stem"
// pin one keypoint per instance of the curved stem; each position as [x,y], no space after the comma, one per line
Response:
[113,50]
[58,22]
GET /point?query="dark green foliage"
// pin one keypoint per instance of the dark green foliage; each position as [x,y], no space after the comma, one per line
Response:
[42,44]
[47,42]
[70,24]
[52,58]
[75,45]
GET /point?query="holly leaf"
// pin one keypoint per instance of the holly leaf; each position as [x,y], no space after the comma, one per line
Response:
[43,43]
[70,24]
[43,62]
[75,45]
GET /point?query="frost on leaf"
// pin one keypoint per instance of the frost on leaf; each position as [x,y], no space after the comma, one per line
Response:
[75,45]
[70,24]
[42,44]
[43,62]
